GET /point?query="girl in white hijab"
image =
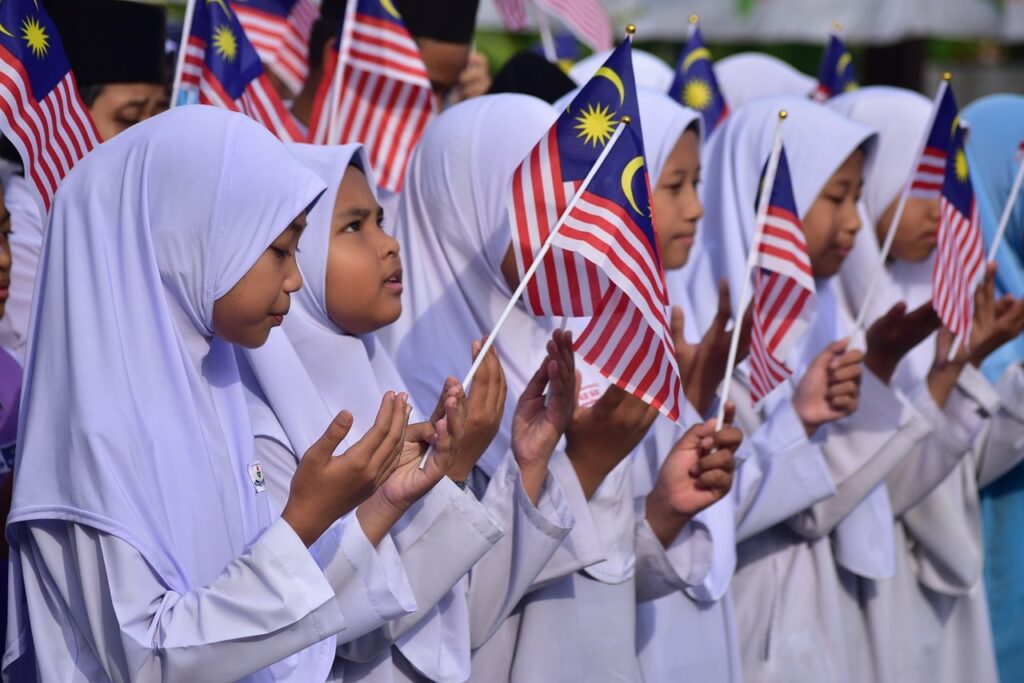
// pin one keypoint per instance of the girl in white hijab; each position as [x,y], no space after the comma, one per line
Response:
[143,545]
[747,76]
[763,493]
[573,626]
[936,595]
[795,620]
[352,268]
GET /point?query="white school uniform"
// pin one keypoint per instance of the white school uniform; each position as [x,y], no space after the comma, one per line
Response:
[143,545]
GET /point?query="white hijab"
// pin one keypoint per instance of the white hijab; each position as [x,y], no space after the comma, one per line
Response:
[648,70]
[817,141]
[750,75]
[133,419]
[901,118]
[311,369]
[454,231]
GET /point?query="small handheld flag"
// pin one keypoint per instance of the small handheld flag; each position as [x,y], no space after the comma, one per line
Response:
[695,84]
[836,74]
[374,90]
[959,255]
[587,19]
[925,181]
[40,110]
[784,292]
[279,30]
[219,66]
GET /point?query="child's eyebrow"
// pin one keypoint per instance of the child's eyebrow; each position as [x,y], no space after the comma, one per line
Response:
[355,212]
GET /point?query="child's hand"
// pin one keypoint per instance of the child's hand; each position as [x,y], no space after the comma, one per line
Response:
[324,488]
[486,406]
[892,337]
[697,473]
[830,389]
[995,321]
[702,366]
[600,436]
[540,420]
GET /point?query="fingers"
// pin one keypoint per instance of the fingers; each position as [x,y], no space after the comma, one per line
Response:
[336,432]
[609,401]
[375,434]
[831,352]
[394,434]
[456,414]
[724,313]
[449,384]
[846,404]
[676,326]
[846,372]
[847,359]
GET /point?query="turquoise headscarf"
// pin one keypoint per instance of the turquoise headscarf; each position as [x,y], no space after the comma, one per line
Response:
[997,128]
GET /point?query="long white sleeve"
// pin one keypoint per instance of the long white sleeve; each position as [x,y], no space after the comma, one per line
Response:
[97,610]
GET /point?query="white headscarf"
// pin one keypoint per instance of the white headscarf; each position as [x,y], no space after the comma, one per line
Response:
[133,417]
[750,75]
[648,70]
[311,369]
[817,141]
[901,118]
[454,231]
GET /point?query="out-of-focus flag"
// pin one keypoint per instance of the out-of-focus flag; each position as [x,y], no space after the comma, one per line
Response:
[695,84]
[836,74]
[279,30]
[220,67]
[40,110]
[374,90]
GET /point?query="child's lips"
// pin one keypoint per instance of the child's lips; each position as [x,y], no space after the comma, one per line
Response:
[394,282]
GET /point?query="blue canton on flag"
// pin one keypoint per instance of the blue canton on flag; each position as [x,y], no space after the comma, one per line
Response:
[836,74]
[695,84]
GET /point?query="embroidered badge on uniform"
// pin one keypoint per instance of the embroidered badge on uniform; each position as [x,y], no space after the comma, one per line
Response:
[258,480]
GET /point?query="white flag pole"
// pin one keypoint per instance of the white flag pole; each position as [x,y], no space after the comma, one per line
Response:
[186,32]
[1004,220]
[333,98]
[547,38]
[762,216]
[890,234]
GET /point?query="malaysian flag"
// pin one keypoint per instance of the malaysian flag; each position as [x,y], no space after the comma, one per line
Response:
[40,110]
[784,298]
[619,279]
[931,167]
[695,84]
[836,74]
[585,18]
[279,30]
[220,67]
[959,256]
[374,90]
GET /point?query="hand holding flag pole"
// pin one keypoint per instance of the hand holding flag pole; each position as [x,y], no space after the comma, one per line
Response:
[897,216]
[762,216]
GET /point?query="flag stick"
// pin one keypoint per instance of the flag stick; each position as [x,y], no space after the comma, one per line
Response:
[547,38]
[339,67]
[539,257]
[890,234]
[762,216]
[186,32]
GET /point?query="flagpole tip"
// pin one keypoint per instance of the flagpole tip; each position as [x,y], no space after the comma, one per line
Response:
[783,114]
[837,27]
[694,19]
[630,29]
[946,76]
[627,119]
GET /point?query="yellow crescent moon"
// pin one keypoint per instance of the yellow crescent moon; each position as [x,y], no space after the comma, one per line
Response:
[389,7]
[634,165]
[698,54]
[3,29]
[222,4]
[606,72]
[844,61]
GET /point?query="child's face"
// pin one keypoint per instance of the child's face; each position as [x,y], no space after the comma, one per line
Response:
[364,271]
[119,106]
[259,301]
[918,231]
[677,207]
[832,222]
[5,253]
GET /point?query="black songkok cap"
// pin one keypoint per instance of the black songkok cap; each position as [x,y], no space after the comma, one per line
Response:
[450,21]
[111,41]
[529,73]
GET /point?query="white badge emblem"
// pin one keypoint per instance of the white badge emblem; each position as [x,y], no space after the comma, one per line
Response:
[256,474]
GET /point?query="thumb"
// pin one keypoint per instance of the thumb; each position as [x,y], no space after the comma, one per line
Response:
[324,447]
[831,351]
[724,313]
